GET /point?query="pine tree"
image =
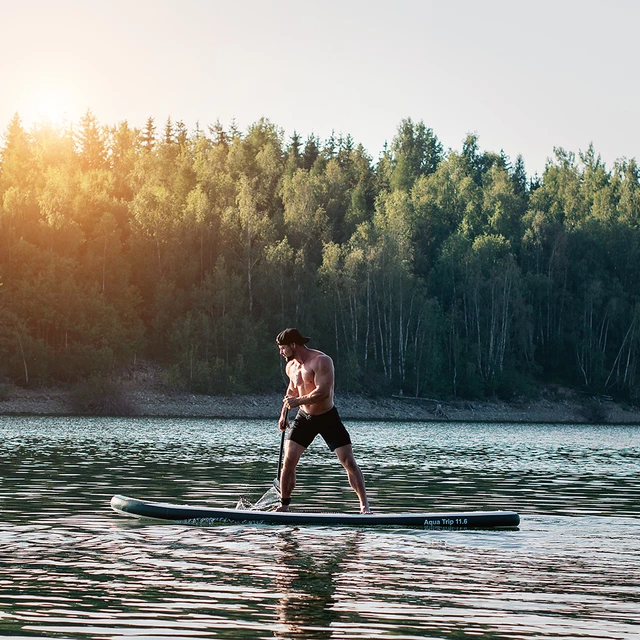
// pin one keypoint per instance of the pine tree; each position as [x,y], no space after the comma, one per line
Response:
[519,176]
[168,132]
[91,142]
[16,156]
[220,136]
[294,160]
[181,134]
[329,149]
[311,153]
[148,138]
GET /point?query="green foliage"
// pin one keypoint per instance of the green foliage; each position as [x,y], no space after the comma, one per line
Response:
[6,392]
[101,396]
[427,272]
[416,152]
[594,411]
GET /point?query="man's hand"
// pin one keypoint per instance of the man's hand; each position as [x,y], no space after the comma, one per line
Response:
[291,402]
[283,423]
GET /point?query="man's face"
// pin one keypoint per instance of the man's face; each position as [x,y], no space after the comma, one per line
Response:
[287,351]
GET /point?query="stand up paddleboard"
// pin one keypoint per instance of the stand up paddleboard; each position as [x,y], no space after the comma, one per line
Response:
[187,513]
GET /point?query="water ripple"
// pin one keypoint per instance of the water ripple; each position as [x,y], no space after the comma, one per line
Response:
[71,568]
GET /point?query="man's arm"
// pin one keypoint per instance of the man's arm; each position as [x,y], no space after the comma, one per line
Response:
[323,377]
[284,414]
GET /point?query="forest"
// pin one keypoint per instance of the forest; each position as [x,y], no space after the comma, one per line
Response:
[428,272]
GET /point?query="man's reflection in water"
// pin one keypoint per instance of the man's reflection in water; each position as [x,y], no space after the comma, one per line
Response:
[308,576]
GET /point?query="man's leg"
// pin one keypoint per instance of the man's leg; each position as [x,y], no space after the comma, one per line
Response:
[293,451]
[356,479]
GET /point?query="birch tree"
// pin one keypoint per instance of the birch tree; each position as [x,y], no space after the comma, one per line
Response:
[248,232]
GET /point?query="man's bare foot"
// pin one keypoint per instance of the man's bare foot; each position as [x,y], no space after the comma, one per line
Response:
[365,510]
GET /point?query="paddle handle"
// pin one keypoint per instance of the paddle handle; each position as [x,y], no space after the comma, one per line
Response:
[281,452]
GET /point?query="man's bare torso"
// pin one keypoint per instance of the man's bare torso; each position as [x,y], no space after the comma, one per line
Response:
[315,372]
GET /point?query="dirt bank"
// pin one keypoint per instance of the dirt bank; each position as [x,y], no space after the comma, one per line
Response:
[554,405]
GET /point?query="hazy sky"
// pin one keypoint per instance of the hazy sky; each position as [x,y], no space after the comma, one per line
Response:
[525,76]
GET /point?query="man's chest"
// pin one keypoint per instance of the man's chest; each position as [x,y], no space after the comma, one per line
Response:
[301,376]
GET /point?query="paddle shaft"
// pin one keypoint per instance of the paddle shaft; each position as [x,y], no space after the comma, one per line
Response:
[281,454]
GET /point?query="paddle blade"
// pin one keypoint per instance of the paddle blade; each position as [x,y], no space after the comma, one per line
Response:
[268,502]
[244,504]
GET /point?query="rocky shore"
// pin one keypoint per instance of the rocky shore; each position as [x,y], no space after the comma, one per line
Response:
[555,405]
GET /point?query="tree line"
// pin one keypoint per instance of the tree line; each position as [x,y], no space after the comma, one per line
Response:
[427,272]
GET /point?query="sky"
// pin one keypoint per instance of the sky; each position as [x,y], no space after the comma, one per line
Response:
[524,76]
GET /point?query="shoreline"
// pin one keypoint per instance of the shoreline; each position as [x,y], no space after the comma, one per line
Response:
[559,406]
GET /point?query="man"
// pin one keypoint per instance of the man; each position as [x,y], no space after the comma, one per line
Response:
[311,383]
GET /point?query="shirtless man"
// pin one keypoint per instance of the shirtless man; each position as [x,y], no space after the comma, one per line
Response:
[311,383]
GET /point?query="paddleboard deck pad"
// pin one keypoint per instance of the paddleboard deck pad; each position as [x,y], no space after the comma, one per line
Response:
[199,514]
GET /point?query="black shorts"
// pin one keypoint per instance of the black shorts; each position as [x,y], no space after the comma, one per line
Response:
[306,427]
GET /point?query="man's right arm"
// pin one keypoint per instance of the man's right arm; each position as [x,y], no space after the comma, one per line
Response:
[284,414]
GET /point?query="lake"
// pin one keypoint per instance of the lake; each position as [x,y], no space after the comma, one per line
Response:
[72,568]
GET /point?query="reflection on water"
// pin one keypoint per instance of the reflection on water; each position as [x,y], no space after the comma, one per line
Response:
[308,582]
[69,567]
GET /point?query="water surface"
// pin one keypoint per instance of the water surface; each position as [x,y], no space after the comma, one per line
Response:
[71,568]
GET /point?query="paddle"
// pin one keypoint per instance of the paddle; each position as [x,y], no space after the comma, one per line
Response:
[272,497]
[276,482]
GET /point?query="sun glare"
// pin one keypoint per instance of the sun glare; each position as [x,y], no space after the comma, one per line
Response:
[50,104]
[53,108]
